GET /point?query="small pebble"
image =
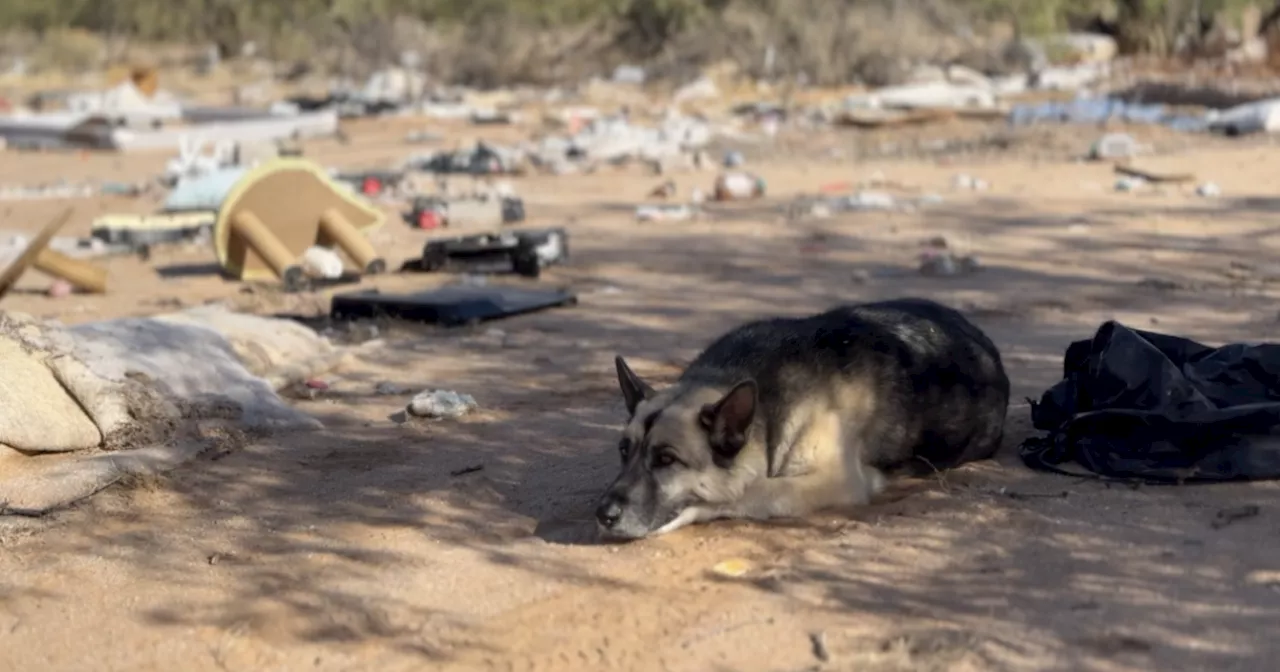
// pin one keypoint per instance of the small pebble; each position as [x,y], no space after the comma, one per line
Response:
[819,642]
[441,404]
[387,389]
[732,568]
[1209,190]
[1129,184]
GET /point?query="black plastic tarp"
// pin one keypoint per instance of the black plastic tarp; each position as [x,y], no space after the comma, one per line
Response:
[1162,409]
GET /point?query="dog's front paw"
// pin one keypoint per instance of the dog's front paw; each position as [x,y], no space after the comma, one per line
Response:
[687,517]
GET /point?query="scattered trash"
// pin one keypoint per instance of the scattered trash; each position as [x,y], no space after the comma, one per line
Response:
[1174,396]
[665,190]
[138,231]
[1093,111]
[930,97]
[964,182]
[944,263]
[1129,184]
[120,189]
[441,404]
[629,74]
[474,211]
[665,213]
[276,232]
[322,262]
[60,289]
[735,186]
[733,159]
[866,200]
[422,137]
[1262,116]
[1209,190]
[371,183]
[36,254]
[491,118]
[481,159]
[1113,146]
[526,252]
[193,161]
[49,191]
[448,306]
[387,389]
[1153,175]
[873,118]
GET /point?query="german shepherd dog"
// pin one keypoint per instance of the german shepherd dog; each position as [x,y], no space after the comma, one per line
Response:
[784,417]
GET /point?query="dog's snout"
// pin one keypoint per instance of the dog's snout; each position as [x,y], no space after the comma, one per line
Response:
[609,511]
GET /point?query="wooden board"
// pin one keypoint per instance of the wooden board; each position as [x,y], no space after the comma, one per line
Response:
[10,275]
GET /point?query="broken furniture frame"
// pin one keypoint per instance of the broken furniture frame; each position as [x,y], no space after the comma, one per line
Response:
[280,209]
[80,274]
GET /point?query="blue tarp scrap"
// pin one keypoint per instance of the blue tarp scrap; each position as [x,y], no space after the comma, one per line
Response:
[1098,110]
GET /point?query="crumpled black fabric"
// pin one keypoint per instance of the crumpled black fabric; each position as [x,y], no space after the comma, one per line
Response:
[1150,407]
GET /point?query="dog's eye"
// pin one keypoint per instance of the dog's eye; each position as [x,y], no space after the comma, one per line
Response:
[664,458]
[624,447]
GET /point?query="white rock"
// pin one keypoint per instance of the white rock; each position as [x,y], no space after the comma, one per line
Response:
[441,404]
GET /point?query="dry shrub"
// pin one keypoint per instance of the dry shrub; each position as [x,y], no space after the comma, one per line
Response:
[825,42]
[501,50]
[67,50]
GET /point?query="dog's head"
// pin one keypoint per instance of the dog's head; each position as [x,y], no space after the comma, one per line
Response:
[678,450]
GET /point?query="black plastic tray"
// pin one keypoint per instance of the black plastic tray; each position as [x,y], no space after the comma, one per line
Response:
[448,306]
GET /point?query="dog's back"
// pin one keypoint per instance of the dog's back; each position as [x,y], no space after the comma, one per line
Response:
[917,384]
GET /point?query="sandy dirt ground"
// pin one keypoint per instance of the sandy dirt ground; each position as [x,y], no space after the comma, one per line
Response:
[365,547]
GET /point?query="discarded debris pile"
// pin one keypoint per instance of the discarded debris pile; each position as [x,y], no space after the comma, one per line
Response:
[480,159]
[93,403]
[676,141]
[134,115]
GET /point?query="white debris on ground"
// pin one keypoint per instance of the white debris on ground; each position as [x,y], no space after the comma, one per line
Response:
[1114,146]
[441,404]
[322,262]
[611,139]
[1209,190]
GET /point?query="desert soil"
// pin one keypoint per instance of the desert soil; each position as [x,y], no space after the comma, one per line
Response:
[365,546]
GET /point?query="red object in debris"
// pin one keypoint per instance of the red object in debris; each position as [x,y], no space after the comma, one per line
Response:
[428,219]
[60,288]
[317,384]
[835,187]
[371,186]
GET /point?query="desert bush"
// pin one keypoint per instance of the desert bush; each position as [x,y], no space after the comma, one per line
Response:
[499,41]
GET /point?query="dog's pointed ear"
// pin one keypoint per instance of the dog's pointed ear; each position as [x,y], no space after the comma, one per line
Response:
[634,390]
[727,421]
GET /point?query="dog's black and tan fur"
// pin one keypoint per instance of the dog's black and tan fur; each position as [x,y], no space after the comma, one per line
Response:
[784,417]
